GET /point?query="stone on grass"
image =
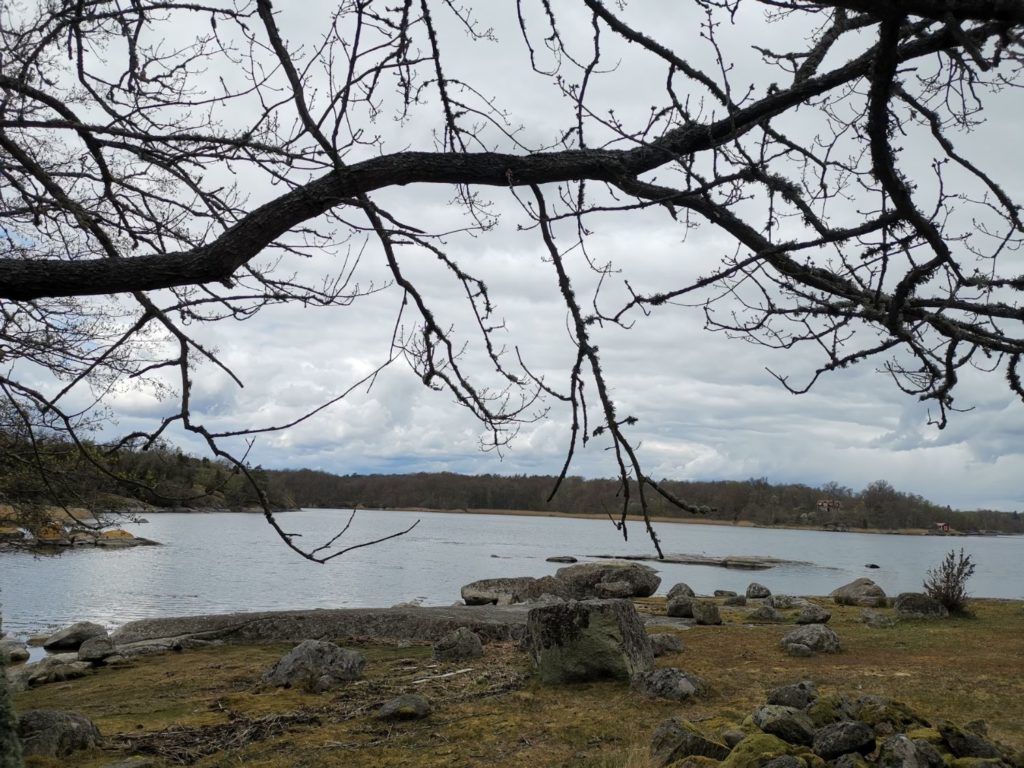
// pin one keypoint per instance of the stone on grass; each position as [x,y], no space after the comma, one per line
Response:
[674,740]
[70,638]
[917,605]
[877,620]
[798,695]
[409,706]
[581,580]
[52,733]
[862,592]
[706,612]
[316,666]
[587,640]
[680,590]
[788,723]
[844,737]
[735,600]
[810,639]
[784,602]
[757,591]
[664,643]
[725,593]
[680,607]
[668,683]
[813,614]
[461,643]
[765,613]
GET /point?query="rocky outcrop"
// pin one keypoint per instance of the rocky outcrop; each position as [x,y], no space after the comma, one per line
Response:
[56,734]
[809,640]
[70,638]
[588,640]
[462,643]
[316,666]
[583,579]
[862,592]
[506,591]
[917,605]
[56,668]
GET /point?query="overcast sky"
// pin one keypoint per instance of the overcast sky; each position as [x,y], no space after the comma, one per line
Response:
[707,407]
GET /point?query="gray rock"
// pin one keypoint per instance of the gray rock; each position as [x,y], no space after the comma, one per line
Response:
[786,761]
[462,643]
[14,650]
[815,637]
[70,638]
[96,649]
[849,760]
[927,753]
[733,737]
[917,605]
[899,751]
[673,741]
[785,602]
[613,589]
[877,620]
[813,614]
[863,592]
[735,601]
[765,613]
[799,695]
[964,743]
[680,607]
[788,723]
[680,590]
[724,593]
[409,706]
[706,612]
[664,643]
[520,589]
[582,579]
[150,648]
[843,737]
[561,559]
[757,591]
[668,683]
[316,666]
[56,668]
[52,733]
[587,640]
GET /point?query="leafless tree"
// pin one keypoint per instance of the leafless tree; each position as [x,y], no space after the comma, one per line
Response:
[860,221]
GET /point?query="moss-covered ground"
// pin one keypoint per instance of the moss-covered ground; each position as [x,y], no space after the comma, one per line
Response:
[207,708]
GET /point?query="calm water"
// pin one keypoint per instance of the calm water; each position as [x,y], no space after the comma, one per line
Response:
[234,562]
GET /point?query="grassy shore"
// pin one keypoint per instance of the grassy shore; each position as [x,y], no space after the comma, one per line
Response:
[207,708]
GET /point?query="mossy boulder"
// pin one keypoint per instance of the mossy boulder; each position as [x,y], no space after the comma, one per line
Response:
[674,740]
[756,751]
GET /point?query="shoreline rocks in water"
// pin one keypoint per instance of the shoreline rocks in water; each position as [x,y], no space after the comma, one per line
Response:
[743,562]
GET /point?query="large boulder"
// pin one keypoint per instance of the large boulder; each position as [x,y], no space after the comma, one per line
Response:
[668,683]
[788,723]
[813,614]
[52,733]
[863,592]
[582,579]
[316,666]
[900,751]
[963,743]
[587,640]
[810,639]
[706,612]
[462,643]
[798,695]
[664,643]
[764,613]
[917,605]
[680,590]
[680,606]
[13,649]
[843,738]
[70,638]
[757,591]
[96,649]
[673,741]
[518,589]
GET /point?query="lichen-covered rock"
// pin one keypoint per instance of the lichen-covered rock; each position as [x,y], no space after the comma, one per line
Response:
[460,643]
[664,643]
[863,592]
[788,723]
[877,620]
[843,737]
[52,733]
[785,602]
[581,580]
[587,640]
[680,607]
[518,589]
[680,590]
[899,751]
[706,612]
[316,666]
[885,716]
[810,639]
[13,650]
[70,638]
[799,695]
[756,750]
[725,593]
[764,614]
[675,740]
[758,591]
[830,709]
[964,743]
[96,649]
[813,614]
[735,601]
[917,605]
[668,683]
[409,706]
[613,589]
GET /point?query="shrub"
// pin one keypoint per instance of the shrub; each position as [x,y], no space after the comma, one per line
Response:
[948,582]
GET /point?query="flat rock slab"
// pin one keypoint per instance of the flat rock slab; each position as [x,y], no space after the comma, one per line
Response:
[743,562]
[420,624]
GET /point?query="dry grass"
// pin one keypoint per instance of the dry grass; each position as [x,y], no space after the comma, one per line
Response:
[206,708]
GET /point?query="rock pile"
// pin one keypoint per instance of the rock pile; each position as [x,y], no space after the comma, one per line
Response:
[797,728]
[582,581]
